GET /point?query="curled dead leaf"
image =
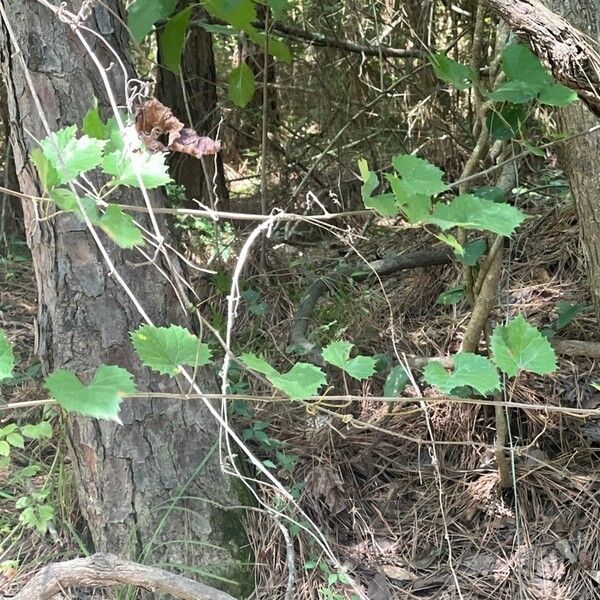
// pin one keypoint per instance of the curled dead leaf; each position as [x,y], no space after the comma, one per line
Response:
[160,130]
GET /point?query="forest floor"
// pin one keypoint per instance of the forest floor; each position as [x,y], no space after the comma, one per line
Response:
[407,517]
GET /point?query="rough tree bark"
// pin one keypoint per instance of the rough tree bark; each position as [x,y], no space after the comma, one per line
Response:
[580,158]
[198,104]
[129,476]
[574,60]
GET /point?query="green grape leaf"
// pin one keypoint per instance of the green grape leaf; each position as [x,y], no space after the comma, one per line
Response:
[384,204]
[4,448]
[419,175]
[517,92]
[101,399]
[521,64]
[490,192]
[37,432]
[469,369]
[338,354]
[505,123]
[470,212]
[15,440]
[93,125]
[519,346]
[151,168]
[239,13]
[120,228]
[172,39]
[275,48]
[65,199]
[70,156]
[47,173]
[164,349]
[241,85]
[415,207]
[452,296]
[259,364]
[450,71]
[279,7]
[142,14]
[302,381]
[556,94]
[7,357]
[472,252]
[395,383]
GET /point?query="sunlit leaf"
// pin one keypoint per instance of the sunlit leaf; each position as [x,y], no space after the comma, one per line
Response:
[241,85]
[150,167]
[450,71]
[469,369]
[143,14]
[7,357]
[519,346]
[419,175]
[395,383]
[101,399]
[470,212]
[93,125]
[337,353]
[165,348]
[557,95]
[172,38]
[384,204]
[120,227]
[71,156]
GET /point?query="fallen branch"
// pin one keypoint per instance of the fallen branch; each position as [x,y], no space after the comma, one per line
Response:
[382,267]
[571,55]
[109,571]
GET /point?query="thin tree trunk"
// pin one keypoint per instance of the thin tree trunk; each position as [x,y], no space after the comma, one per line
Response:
[129,477]
[196,103]
[580,158]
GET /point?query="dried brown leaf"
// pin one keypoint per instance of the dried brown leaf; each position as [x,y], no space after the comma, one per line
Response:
[160,130]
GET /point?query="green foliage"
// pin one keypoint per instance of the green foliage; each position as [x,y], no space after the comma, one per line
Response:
[120,227]
[505,123]
[452,296]
[165,349]
[450,71]
[172,38]
[419,175]
[302,381]
[42,430]
[35,514]
[470,212]
[395,383]
[565,313]
[469,369]
[240,14]
[241,85]
[101,399]
[126,166]
[66,200]
[47,173]
[338,354]
[143,14]
[472,252]
[519,346]
[71,156]
[527,80]
[7,357]
[92,123]
[384,204]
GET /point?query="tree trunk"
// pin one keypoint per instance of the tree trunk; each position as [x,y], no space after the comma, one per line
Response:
[130,477]
[580,157]
[198,106]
